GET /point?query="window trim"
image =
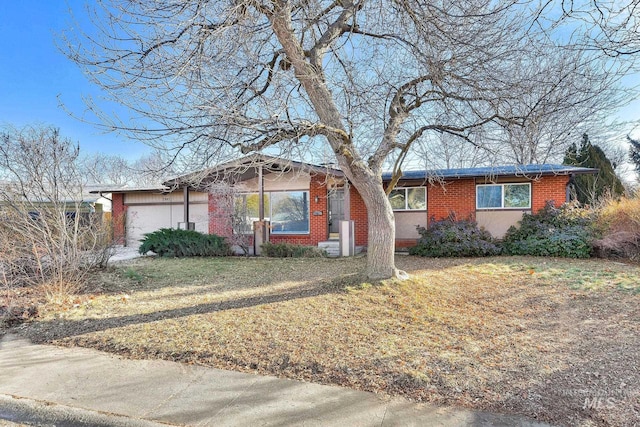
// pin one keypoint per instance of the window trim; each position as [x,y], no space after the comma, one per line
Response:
[502,207]
[284,233]
[406,199]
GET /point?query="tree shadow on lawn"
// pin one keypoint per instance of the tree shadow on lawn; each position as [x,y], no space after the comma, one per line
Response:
[52,330]
[586,335]
[208,275]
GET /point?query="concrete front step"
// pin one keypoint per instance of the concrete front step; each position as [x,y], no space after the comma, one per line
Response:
[332,247]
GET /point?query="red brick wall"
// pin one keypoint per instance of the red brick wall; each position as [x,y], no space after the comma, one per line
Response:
[405,243]
[220,214]
[318,224]
[452,197]
[459,196]
[549,188]
[118,215]
[359,216]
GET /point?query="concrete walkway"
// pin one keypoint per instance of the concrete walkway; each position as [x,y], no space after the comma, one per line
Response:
[47,385]
[123,253]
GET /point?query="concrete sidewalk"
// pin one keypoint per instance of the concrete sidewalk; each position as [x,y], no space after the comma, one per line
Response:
[47,385]
[123,253]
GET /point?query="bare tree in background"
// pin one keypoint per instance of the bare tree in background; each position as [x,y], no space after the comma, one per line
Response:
[368,78]
[102,168]
[111,169]
[444,151]
[48,234]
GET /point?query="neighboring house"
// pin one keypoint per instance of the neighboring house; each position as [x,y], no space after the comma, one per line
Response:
[78,201]
[304,203]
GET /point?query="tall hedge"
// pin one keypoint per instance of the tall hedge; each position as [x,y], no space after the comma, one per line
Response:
[171,242]
[562,232]
[454,238]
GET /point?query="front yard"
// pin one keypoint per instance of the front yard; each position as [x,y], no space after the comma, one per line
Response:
[557,340]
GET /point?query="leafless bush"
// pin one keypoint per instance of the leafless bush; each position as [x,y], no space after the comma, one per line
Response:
[52,235]
[229,213]
[618,221]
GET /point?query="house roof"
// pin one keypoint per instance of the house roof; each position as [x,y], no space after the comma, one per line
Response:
[246,168]
[528,171]
[85,193]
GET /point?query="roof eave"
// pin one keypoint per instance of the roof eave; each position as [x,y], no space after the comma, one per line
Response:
[440,174]
[247,162]
[131,190]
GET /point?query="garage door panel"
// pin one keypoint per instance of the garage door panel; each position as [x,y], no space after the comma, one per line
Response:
[142,219]
[146,219]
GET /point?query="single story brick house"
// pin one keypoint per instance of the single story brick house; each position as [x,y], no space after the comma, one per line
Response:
[304,203]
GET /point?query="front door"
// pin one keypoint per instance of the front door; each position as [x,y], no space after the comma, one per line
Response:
[336,210]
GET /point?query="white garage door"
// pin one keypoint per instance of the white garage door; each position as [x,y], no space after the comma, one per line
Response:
[142,219]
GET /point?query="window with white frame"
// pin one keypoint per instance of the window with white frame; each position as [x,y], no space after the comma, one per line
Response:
[288,212]
[503,196]
[408,199]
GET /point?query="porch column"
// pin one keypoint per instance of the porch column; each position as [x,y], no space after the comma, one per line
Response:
[185,201]
[260,194]
[260,232]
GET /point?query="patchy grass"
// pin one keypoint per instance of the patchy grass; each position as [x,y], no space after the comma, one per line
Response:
[541,337]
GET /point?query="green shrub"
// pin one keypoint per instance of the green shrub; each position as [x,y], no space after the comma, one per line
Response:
[454,238]
[289,250]
[170,242]
[560,232]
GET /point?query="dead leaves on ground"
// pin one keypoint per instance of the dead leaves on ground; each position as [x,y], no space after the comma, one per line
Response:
[484,333]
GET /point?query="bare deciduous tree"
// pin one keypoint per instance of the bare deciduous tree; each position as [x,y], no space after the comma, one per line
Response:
[147,171]
[50,236]
[102,168]
[443,151]
[368,78]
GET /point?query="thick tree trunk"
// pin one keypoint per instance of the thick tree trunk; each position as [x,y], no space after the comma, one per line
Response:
[381,245]
[382,230]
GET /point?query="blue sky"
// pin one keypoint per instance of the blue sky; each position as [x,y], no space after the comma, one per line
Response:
[34,74]
[35,77]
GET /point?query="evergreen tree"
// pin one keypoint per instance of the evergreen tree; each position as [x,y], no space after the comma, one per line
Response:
[588,188]
[634,152]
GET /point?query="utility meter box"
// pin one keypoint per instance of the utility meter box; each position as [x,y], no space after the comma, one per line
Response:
[261,234]
[347,238]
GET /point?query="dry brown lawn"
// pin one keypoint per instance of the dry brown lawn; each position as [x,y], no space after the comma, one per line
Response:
[556,340]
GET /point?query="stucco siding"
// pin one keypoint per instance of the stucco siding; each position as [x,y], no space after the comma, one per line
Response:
[406,223]
[498,222]
[160,198]
[278,182]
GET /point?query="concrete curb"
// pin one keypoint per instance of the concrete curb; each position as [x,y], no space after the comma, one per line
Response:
[45,385]
[40,413]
